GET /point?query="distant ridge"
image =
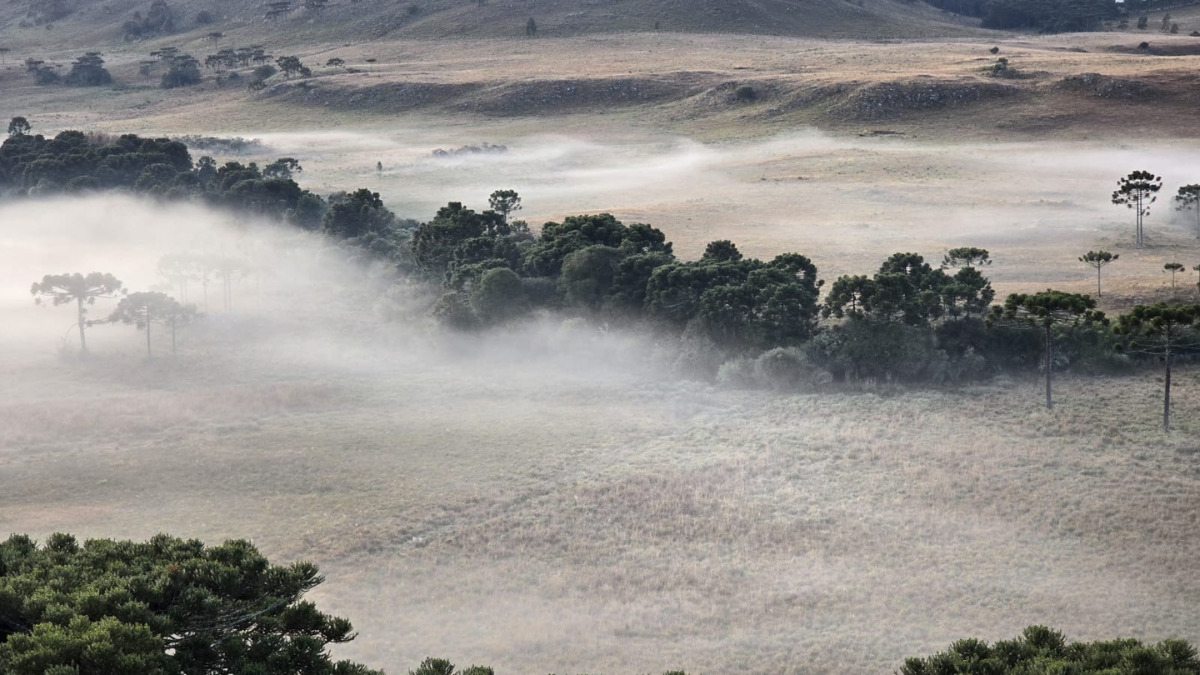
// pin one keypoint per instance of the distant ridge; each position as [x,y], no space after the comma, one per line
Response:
[94,24]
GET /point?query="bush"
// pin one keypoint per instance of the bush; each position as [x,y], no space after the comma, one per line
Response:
[263,72]
[745,93]
[181,76]
[204,17]
[1042,650]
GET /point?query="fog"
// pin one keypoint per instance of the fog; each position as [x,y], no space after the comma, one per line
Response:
[846,203]
[547,497]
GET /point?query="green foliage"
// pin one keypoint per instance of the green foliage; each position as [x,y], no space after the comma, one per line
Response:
[498,296]
[966,256]
[1186,199]
[159,20]
[161,606]
[907,289]
[18,126]
[349,216]
[505,202]
[1042,650]
[1050,16]
[1138,191]
[291,65]
[88,71]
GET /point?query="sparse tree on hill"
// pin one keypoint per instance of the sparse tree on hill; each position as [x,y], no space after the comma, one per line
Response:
[278,9]
[1046,310]
[146,308]
[505,202]
[335,62]
[88,71]
[1162,331]
[1098,259]
[282,168]
[291,65]
[1174,268]
[61,289]
[18,126]
[531,28]
[1188,199]
[1138,191]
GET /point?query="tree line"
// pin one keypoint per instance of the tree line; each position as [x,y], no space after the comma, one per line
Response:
[1053,16]
[739,320]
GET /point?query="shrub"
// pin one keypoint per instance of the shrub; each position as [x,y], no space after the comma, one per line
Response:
[745,93]
[204,17]
[181,76]
[263,72]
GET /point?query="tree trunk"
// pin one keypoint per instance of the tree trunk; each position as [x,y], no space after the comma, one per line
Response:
[1167,389]
[82,339]
[1098,294]
[1049,365]
[172,338]
[149,354]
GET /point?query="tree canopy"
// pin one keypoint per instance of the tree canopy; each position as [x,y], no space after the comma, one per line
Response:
[1042,650]
[158,607]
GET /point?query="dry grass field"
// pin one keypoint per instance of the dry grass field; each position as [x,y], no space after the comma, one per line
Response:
[534,504]
[545,499]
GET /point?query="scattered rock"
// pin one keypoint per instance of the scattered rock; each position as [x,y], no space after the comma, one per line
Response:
[894,99]
[1108,87]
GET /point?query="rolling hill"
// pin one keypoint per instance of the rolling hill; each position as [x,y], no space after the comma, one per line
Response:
[98,25]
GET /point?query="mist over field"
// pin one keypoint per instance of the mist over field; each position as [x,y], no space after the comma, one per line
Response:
[846,203]
[546,496]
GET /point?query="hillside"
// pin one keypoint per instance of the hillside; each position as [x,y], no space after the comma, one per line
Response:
[23,25]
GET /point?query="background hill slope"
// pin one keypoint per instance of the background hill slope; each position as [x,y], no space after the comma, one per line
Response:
[96,24]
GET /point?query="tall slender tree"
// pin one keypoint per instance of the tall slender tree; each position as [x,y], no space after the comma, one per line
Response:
[1046,310]
[1162,331]
[1138,191]
[1188,199]
[1098,259]
[1174,268]
[505,202]
[143,309]
[61,289]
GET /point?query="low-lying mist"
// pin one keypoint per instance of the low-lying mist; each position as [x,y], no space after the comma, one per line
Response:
[542,497]
[845,203]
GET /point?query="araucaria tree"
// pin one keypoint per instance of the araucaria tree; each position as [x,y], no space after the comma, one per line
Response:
[161,606]
[61,289]
[18,126]
[1046,310]
[1162,331]
[1098,259]
[1138,191]
[505,202]
[146,308]
[1188,199]
[1174,268]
